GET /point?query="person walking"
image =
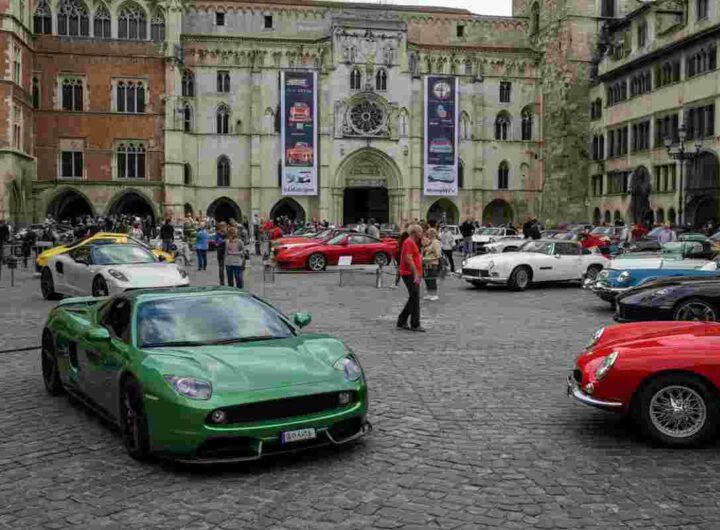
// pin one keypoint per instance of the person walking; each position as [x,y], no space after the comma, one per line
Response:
[234,258]
[535,230]
[431,255]
[202,239]
[220,236]
[411,273]
[167,235]
[447,243]
[466,230]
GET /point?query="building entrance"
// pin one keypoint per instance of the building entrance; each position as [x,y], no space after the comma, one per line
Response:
[365,203]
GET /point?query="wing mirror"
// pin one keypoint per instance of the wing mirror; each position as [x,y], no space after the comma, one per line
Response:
[98,335]
[82,260]
[301,319]
[162,258]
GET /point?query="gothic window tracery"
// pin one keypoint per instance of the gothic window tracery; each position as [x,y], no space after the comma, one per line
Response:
[73,19]
[188,84]
[157,26]
[132,24]
[527,124]
[367,117]
[223,172]
[222,120]
[381,79]
[130,97]
[42,18]
[502,126]
[355,79]
[131,160]
[102,23]
[187,117]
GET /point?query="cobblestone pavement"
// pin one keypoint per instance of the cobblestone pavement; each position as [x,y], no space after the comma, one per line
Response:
[472,430]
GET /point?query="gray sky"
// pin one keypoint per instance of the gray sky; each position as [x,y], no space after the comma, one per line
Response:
[480,7]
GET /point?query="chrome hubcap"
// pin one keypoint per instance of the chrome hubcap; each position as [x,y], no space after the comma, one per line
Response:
[678,411]
[696,311]
[380,259]
[317,262]
[522,277]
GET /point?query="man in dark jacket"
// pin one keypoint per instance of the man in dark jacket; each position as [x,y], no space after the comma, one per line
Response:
[4,238]
[167,235]
[535,230]
[466,230]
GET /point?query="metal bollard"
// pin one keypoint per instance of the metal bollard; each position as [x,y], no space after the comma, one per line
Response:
[378,277]
[268,273]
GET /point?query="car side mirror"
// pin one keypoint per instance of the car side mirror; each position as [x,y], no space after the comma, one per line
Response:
[162,258]
[557,255]
[97,335]
[82,260]
[301,319]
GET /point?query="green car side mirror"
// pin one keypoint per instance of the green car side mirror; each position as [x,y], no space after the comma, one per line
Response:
[98,334]
[301,319]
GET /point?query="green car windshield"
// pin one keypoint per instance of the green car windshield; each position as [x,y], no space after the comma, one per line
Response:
[121,255]
[206,320]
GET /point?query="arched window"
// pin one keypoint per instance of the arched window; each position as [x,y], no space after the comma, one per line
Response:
[187,175]
[617,216]
[188,84]
[535,18]
[527,124]
[42,18]
[660,216]
[101,23]
[404,124]
[157,26]
[503,176]
[597,216]
[607,217]
[222,120]
[502,126]
[465,132]
[381,79]
[223,172]
[35,93]
[672,218]
[73,19]
[355,79]
[131,161]
[187,117]
[132,24]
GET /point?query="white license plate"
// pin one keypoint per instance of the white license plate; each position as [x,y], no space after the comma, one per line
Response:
[297,436]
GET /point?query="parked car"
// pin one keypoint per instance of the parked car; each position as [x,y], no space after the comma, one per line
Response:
[204,374]
[534,262]
[640,245]
[102,270]
[363,249]
[664,376]
[505,244]
[483,236]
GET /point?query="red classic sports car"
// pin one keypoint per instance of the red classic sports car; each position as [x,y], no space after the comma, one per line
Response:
[665,376]
[364,249]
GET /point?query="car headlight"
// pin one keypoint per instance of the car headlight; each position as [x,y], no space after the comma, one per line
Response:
[190,387]
[118,275]
[350,367]
[602,275]
[605,366]
[623,277]
[183,273]
[464,262]
[595,338]
[490,264]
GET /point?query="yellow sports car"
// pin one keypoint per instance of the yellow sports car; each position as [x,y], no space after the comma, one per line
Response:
[100,238]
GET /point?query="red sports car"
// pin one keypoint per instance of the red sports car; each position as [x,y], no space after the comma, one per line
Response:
[665,376]
[362,248]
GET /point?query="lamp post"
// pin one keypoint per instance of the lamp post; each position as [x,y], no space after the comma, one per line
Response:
[680,154]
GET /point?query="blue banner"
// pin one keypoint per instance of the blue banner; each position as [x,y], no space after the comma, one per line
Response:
[441,135]
[298,108]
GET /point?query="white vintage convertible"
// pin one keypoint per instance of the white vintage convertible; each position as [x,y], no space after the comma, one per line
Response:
[534,262]
[102,270]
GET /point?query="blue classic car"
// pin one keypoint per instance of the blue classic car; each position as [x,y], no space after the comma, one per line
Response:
[686,258]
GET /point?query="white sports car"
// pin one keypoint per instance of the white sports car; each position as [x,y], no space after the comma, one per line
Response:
[505,244]
[102,270]
[534,262]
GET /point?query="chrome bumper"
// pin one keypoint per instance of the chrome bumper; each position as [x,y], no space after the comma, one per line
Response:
[574,390]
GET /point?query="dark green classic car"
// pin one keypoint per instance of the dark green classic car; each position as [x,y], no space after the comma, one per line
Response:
[204,374]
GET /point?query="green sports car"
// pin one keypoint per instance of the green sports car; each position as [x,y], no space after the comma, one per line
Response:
[204,374]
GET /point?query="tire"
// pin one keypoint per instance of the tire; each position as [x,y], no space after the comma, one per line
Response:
[592,272]
[99,287]
[381,259]
[48,360]
[47,285]
[133,422]
[317,262]
[520,278]
[695,309]
[665,395]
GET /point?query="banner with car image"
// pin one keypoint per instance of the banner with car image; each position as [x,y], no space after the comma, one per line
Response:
[298,108]
[441,135]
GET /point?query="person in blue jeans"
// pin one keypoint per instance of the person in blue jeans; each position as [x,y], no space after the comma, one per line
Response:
[201,247]
[234,258]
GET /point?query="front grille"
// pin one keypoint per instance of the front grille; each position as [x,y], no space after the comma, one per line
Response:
[475,272]
[283,408]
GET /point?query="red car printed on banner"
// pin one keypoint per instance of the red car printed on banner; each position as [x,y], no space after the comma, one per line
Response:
[665,376]
[363,250]
[300,155]
[300,112]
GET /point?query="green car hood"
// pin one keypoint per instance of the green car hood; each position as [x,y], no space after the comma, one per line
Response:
[252,366]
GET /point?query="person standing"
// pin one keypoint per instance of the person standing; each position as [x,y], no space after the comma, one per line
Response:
[220,235]
[447,243]
[136,231]
[167,235]
[4,238]
[234,258]
[665,235]
[411,273]
[431,262]
[373,230]
[201,246]
[466,230]
[256,233]
[535,230]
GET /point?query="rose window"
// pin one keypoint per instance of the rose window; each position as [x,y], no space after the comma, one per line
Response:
[367,117]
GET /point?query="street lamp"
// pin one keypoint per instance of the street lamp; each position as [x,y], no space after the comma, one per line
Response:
[680,154]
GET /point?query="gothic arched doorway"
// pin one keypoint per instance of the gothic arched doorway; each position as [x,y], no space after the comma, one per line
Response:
[597,217]
[288,208]
[443,210]
[498,212]
[703,190]
[69,205]
[224,209]
[132,203]
[640,210]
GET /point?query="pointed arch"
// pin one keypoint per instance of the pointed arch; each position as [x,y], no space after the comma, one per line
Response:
[269,121]
[289,208]
[355,79]
[404,123]
[69,203]
[157,25]
[503,176]
[534,18]
[42,18]
[132,202]
[222,119]
[102,22]
[73,19]
[224,209]
[526,115]
[502,126]
[188,84]
[223,172]
[465,128]
[381,79]
[187,175]
[597,217]
[444,210]
[132,22]
[498,212]
[187,112]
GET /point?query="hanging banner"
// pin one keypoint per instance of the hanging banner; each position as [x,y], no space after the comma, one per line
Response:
[298,108]
[441,135]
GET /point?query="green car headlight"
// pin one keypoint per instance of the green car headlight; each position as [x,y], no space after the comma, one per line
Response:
[350,367]
[190,387]
[605,366]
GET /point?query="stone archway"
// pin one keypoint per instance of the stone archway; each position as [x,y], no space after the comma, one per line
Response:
[702,191]
[443,210]
[289,208]
[498,212]
[367,186]
[69,204]
[597,217]
[133,203]
[640,211]
[224,209]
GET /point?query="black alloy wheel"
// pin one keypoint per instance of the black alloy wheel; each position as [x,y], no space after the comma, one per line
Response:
[99,287]
[47,285]
[695,309]
[50,372]
[381,259]
[317,262]
[592,272]
[133,422]
[520,278]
